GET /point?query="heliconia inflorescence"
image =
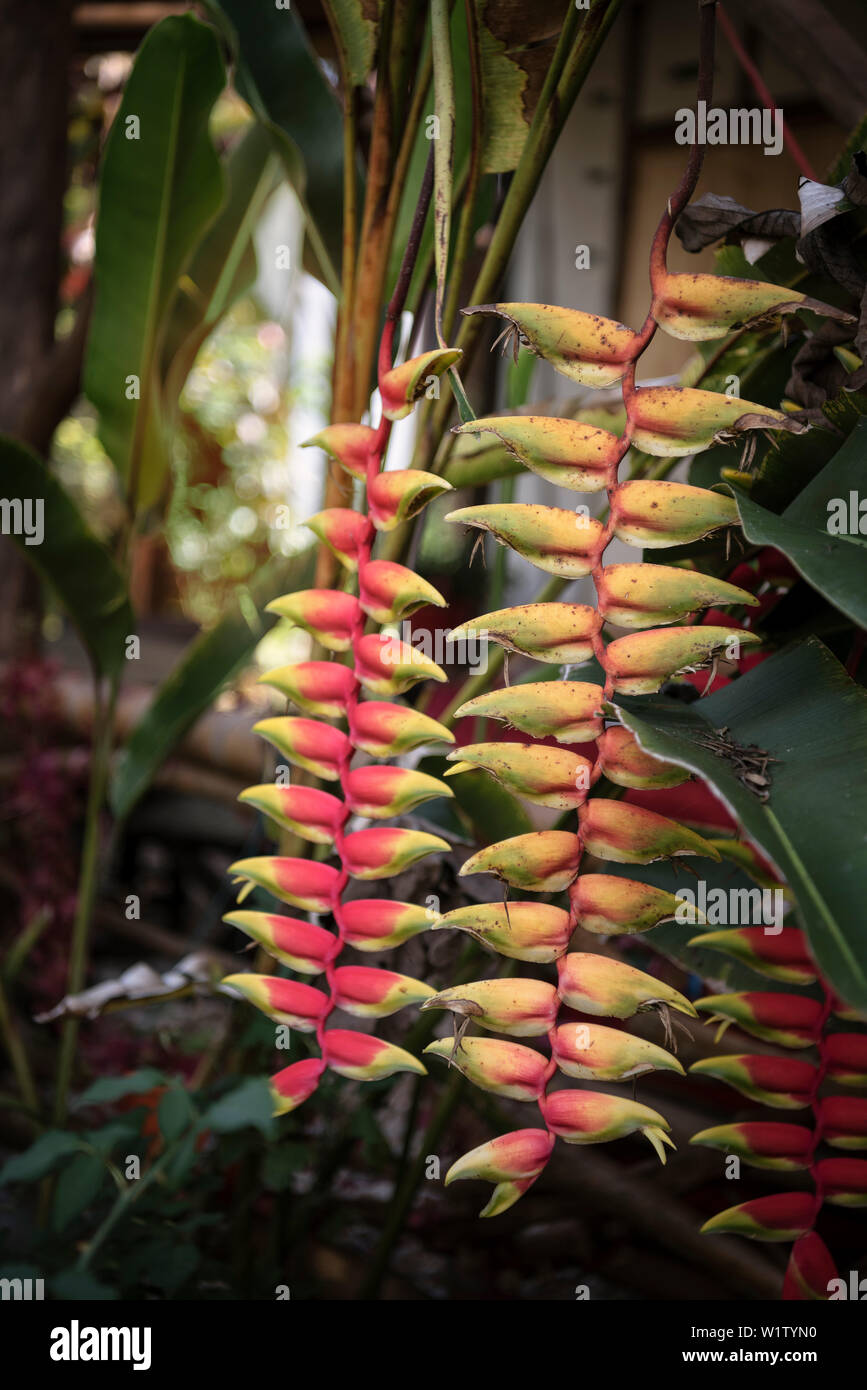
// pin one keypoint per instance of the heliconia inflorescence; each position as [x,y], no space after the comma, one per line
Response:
[657,605]
[377,665]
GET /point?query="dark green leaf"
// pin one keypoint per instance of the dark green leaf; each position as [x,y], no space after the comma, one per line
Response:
[71,559]
[492,812]
[106,1139]
[181,1160]
[160,186]
[111,1088]
[41,1158]
[249,1103]
[174,1113]
[801,708]
[77,1186]
[672,938]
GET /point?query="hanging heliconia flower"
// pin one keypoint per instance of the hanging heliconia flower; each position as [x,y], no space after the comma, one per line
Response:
[379,665]
[539,1051]
[657,605]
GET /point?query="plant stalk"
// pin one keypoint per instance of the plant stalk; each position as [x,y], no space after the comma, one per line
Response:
[103,738]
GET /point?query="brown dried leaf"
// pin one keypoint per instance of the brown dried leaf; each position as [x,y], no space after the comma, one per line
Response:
[713,217]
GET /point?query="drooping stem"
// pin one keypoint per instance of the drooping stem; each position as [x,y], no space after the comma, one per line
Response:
[685,189]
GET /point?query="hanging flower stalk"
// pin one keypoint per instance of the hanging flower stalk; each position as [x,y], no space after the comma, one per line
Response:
[792,1084]
[655,604]
[382,666]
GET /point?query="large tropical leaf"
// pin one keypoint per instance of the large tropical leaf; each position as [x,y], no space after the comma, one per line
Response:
[70,558]
[161,184]
[211,661]
[223,265]
[835,565]
[801,709]
[279,75]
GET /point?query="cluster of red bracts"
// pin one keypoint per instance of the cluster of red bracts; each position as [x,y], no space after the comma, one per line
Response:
[839,1121]
[323,690]
[522,1008]
[657,606]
